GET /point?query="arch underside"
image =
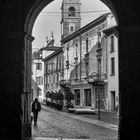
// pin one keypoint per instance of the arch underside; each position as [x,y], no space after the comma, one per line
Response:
[38,6]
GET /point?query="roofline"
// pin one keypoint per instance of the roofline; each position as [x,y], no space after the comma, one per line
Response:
[53,54]
[86,27]
[45,48]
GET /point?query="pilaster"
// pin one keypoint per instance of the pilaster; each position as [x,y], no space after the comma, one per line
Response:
[26,95]
[12,62]
[82,97]
[129,73]
[93,97]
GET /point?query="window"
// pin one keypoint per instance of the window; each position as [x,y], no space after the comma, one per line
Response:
[38,66]
[76,72]
[87,69]
[86,45]
[71,12]
[77,97]
[39,80]
[87,97]
[76,49]
[112,100]
[99,40]
[49,78]
[99,66]
[67,52]
[54,78]
[112,44]
[112,66]
[67,57]
[71,28]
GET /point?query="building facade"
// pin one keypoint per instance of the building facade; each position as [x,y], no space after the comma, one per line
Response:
[35,90]
[86,63]
[53,70]
[38,74]
[38,66]
[112,74]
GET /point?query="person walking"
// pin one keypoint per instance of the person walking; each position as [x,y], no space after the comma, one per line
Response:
[36,107]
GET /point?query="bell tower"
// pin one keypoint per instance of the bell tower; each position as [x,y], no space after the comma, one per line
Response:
[71,17]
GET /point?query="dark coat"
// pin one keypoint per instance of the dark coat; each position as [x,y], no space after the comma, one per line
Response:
[38,106]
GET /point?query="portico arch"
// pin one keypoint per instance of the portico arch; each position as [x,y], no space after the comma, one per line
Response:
[124,14]
[17,20]
[34,11]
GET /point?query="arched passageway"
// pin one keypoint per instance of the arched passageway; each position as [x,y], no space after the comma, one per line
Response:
[15,39]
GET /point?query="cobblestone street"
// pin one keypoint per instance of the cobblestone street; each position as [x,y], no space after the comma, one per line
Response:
[54,125]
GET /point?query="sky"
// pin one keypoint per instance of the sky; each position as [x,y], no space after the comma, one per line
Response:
[48,20]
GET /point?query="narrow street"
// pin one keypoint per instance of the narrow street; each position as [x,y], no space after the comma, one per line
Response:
[53,125]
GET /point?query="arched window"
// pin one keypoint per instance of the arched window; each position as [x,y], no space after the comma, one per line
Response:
[71,11]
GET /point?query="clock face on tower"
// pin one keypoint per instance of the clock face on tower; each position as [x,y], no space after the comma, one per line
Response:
[71,17]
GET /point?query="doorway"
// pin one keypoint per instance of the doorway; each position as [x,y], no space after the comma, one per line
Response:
[87,97]
[77,97]
[113,101]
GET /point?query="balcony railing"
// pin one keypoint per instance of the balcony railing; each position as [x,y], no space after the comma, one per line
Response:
[91,79]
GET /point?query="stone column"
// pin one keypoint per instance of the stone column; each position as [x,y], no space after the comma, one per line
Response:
[129,81]
[12,59]
[11,71]
[26,95]
[82,97]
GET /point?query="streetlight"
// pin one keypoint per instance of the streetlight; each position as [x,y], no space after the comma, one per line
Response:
[98,97]
[96,79]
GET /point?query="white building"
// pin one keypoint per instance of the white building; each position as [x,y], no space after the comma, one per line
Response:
[35,90]
[112,74]
[38,73]
[38,66]
[86,56]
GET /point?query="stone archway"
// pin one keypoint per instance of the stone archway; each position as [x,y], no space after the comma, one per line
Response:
[36,8]
[128,29]
[17,19]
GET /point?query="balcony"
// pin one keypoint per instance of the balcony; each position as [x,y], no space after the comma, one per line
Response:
[64,83]
[95,79]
